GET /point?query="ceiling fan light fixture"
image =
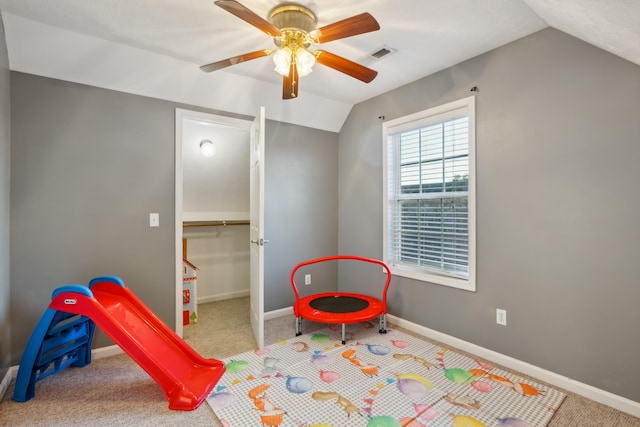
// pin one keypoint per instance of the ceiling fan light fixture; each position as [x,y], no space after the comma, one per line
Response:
[282,60]
[304,62]
[294,30]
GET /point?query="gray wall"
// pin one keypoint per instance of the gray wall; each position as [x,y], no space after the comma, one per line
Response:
[5,138]
[558,148]
[301,208]
[88,165]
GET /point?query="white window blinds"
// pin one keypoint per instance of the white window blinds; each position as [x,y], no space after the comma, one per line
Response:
[427,216]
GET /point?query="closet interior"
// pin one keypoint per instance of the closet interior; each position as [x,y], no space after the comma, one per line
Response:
[215,232]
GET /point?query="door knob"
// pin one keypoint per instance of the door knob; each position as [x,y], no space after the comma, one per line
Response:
[260,242]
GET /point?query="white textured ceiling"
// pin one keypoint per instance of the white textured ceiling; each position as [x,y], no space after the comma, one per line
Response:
[154,47]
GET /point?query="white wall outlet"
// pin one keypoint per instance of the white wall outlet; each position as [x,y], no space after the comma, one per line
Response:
[501,317]
[307,279]
[154,220]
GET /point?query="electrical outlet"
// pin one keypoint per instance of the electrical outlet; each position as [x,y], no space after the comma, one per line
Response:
[501,317]
[154,220]
[307,279]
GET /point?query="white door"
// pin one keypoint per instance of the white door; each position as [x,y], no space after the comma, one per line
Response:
[256,218]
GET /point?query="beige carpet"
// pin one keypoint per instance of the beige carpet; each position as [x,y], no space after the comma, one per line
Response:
[116,392]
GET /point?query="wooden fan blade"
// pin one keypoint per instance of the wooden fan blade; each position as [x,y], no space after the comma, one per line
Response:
[249,16]
[235,60]
[353,26]
[290,83]
[345,66]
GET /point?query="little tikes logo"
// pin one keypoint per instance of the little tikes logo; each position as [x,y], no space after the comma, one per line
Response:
[70,301]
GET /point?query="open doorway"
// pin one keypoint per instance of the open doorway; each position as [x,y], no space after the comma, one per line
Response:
[212,208]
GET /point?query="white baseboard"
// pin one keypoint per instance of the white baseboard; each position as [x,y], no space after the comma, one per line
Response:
[221,297]
[11,373]
[606,398]
[103,352]
[278,313]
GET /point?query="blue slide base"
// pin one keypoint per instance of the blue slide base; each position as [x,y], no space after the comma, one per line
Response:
[59,340]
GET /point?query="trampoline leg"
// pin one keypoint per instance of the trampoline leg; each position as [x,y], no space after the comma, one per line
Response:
[383,324]
[344,341]
[298,326]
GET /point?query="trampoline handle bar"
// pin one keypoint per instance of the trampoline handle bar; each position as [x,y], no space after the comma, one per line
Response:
[343,257]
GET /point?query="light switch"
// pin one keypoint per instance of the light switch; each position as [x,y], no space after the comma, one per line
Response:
[154,220]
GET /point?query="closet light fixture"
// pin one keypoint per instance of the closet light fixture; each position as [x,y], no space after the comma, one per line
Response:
[207,149]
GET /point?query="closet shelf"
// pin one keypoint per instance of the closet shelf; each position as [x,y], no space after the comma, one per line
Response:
[217,223]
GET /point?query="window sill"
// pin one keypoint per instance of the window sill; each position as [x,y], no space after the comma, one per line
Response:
[423,276]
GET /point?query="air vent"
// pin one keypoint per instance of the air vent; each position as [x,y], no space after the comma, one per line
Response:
[382,52]
[377,55]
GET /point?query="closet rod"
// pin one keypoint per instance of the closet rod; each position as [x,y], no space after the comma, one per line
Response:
[213,223]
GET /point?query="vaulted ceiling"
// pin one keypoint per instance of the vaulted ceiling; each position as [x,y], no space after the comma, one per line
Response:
[155,47]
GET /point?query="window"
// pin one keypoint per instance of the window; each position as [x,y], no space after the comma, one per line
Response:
[429,195]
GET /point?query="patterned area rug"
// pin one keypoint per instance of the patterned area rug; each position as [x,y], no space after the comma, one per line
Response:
[376,380]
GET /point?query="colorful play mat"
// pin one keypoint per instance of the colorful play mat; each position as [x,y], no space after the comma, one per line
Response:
[376,380]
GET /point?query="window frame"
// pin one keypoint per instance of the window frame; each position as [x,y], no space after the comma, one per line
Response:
[430,116]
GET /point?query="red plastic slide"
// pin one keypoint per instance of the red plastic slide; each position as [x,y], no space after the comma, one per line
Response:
[185,376]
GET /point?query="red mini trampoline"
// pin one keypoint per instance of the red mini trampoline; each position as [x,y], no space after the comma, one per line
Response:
[340,307]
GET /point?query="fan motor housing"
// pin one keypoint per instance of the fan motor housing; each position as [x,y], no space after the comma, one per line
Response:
[292,16]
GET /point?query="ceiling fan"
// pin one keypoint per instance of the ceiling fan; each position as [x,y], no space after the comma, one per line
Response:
[293,28]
